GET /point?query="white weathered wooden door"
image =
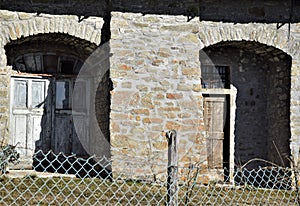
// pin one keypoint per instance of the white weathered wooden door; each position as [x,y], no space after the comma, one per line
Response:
[214,114]
[42,116]
[30,114]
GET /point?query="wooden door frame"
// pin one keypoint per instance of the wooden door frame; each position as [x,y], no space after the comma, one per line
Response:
[232,93]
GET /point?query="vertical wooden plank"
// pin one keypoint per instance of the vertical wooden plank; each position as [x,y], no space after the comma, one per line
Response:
[52,104]
[172,181]
[80,111]
[36,96]
[19,115]
[19,132]
[79,97]
[30,62]
[63,133]
[35,135]
[63,121]
[218,150]
[39,62]
[233,96]
[79,140]
[46,120]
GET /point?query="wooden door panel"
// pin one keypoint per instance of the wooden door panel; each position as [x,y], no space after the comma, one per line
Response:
[214,109]
[79,138]
[19,133]
[36,133]
[214,115]
[80,97]
[28,98]
[63,134]
[215,150]
[20,94]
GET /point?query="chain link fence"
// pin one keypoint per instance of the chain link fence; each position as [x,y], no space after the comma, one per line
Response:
[57,179]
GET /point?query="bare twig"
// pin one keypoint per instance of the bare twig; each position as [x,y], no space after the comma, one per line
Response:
[282,162]
[259,159]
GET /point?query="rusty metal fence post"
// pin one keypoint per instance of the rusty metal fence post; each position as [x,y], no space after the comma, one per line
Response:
[172,180]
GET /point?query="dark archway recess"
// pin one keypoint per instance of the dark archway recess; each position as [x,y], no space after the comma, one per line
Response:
[55,60]
[262,76]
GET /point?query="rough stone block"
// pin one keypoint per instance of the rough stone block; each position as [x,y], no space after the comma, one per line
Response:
[8,15]
[152,120]
[170,125]
[191,71]
[125,67]
[141,111]
[174,95]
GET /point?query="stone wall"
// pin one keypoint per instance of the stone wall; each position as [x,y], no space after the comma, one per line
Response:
[150,51]
[156,78]
[155,67]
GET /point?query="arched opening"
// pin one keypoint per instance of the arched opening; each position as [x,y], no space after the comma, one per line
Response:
[43,97]
[261,76]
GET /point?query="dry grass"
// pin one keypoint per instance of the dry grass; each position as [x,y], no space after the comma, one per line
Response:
[34,190]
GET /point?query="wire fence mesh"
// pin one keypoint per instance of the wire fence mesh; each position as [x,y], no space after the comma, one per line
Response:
[57,179]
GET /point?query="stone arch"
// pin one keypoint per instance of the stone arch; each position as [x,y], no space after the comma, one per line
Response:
[213,33]
[58,43]
[22,25]
[261,74]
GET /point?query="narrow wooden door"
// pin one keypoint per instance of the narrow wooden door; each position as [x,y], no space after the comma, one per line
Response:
[214,114]
[65,138]
[30,114]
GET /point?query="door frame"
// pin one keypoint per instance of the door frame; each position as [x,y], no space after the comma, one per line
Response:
[232,95]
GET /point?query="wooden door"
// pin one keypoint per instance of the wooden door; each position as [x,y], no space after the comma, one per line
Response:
[30,114]
[65,138]
[214,114]
[42,117]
